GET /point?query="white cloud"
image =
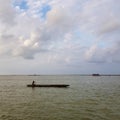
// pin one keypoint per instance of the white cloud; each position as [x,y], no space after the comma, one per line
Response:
[24,33]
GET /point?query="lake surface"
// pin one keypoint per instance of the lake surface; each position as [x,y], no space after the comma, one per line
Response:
[87,98]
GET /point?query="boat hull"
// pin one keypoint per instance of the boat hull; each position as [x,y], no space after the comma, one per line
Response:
[48,85]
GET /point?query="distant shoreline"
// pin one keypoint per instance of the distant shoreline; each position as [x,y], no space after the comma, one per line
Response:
[60,75]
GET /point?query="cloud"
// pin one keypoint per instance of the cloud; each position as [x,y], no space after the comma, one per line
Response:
[95,54]
[100,15]
[29,47]
[7,13]
[102,20]
[25,33]
[110,26]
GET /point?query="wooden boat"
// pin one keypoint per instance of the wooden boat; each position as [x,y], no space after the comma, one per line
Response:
[48,85]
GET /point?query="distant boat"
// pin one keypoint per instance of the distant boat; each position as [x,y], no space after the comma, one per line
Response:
[96,74]
[48,85]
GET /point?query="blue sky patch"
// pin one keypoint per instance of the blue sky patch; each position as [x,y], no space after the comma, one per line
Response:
[86,39]
[44,10]
[22,5]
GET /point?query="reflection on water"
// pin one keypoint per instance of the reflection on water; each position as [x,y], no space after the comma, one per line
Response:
[87,98]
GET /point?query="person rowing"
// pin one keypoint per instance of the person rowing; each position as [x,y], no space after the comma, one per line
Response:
[33,83]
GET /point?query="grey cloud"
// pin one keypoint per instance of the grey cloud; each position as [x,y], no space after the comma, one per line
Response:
[100,17]
[115,52]
[94,17]
[7,13]
[25,52]
[103,55]
[7,37]
[95,54]
[109,27]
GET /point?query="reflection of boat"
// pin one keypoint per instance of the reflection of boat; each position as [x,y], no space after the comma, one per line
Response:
[48,85]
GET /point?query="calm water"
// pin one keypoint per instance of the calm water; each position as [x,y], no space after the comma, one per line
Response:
[87,98]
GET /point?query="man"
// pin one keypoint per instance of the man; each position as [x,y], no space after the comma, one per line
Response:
[33,83]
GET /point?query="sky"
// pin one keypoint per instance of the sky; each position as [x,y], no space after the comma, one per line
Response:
[59,36]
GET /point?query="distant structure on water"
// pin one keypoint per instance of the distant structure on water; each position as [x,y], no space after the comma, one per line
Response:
[96,74]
